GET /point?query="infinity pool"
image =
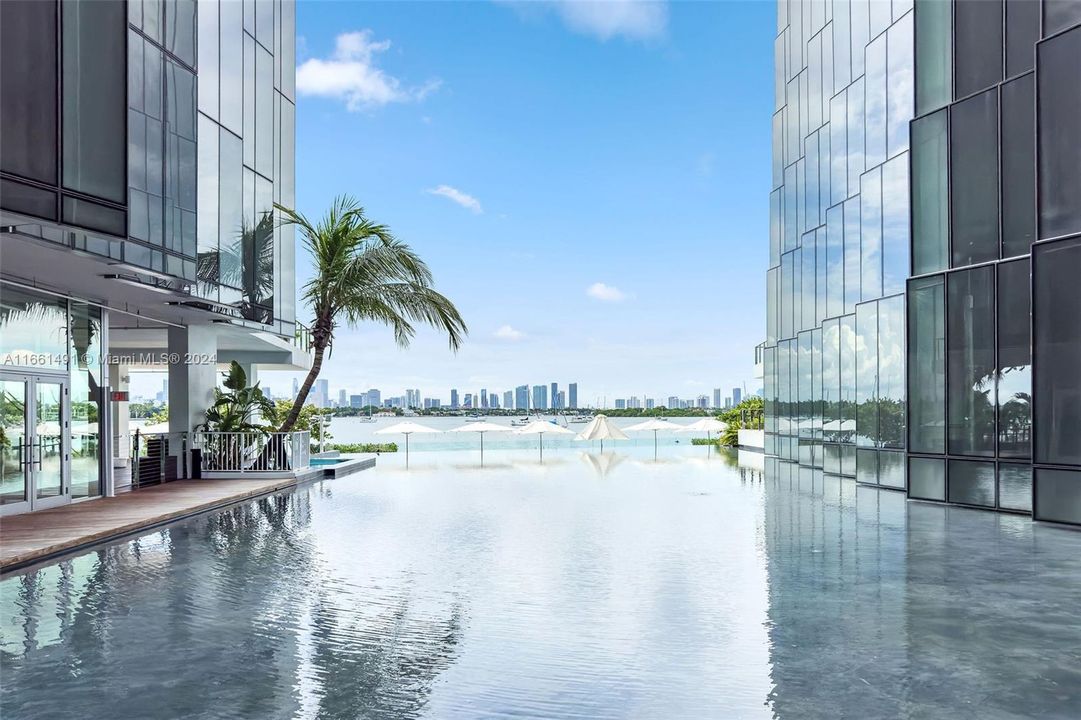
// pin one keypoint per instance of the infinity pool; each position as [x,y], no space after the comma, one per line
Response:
[590,586]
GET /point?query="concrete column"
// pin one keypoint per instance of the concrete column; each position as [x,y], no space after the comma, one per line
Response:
[192,378]
[119,379]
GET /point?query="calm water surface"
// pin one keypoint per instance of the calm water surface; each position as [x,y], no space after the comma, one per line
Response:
[589,586]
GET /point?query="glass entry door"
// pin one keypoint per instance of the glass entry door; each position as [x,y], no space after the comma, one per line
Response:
[33,447]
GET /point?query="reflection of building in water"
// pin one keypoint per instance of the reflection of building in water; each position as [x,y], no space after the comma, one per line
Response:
[982,244]
[147,622]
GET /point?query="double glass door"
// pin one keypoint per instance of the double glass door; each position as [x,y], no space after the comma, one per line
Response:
[34,453]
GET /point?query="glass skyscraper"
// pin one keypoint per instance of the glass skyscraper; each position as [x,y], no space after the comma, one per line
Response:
[975,260]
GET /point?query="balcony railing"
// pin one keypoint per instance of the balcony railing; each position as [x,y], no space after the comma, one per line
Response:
[252,453]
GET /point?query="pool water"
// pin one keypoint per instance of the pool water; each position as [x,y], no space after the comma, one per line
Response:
[315,462]
[589,586]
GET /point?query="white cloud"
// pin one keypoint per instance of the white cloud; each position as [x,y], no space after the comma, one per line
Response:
[605,293]
[506,332]
[350,74]
[455,195]
[605,19]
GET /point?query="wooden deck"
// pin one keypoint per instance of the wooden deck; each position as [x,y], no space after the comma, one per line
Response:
[28,538]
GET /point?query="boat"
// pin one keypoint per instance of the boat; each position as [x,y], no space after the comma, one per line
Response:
[369,418]
[520,422]
[474,418]
[579,419]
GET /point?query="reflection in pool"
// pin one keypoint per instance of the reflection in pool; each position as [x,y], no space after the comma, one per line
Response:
[593,585]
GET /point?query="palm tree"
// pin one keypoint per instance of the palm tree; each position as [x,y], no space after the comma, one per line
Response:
[363,273]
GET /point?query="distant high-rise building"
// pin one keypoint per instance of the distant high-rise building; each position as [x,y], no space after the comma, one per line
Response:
[572,396]
[342,399]
[508,400]
[561,399]
[357,401]
[540,397]
[737,396]
[673,402]
[454,399]
[650,404]
[727,403]
[493,401]
[296,387]
[374,397]
[416,396]
[621,404]
[716,397]
[555,395]
[322,390]
[468,404]
[484,397]
[521,397]
[703,401]
[634,403]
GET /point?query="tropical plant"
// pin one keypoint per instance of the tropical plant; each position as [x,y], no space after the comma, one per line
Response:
[363,273]
[238,407]
[746,415]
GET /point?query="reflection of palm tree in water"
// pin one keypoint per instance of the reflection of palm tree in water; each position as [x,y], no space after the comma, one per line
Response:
[382,666]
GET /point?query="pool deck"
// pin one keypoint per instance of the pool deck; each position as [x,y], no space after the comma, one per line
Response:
[33,537]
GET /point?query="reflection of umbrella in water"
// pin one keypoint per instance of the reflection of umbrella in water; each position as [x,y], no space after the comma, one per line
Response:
[602,463]
[708,425]
[540,428]
[601,428]
[407,429]
[480,427]
[656,425]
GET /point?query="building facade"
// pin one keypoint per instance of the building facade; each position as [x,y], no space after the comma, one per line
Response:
[572,396]
[919,295]
[144,146]
[994,303]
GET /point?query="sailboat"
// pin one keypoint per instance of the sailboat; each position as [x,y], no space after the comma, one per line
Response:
[369,418]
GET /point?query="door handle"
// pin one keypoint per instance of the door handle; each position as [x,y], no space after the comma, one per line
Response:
[41,451]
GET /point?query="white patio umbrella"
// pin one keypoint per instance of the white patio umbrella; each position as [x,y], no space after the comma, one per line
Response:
[602,463]
[708,425]
[655,425]
[601,428]
[540,428]
[407,429]
[481,427]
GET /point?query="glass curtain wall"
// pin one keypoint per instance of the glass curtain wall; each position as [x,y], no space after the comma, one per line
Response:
[839,237]
[994,353]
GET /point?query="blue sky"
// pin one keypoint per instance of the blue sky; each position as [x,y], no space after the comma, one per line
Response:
[589,182]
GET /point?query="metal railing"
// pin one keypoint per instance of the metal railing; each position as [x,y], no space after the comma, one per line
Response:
[252,452]
[158,458]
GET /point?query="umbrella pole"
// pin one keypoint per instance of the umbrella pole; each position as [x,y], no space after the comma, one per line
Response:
[540,443]
[407,450]
[654,444]
[482,448]
[602,444]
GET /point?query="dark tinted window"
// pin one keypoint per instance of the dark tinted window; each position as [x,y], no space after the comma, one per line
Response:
[1022,32]
[95,86]
[927,365]
[1018,166]
[28,89]
[1060,14]
[1014,360]
[977,41]
[970,332]
[1060,135]
[927,478]
[974,181]
[972,483]
[1058,496]
[1057,343]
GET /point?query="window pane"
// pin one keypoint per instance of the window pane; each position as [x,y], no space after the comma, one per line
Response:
[1015,487]
[867,374]
[848,384]
[85,393]
[33,329]
[867,466]
[95,102]
[807,282]
[838,149]
[835,257]
[927,478]
[1018,166]
[249,101]
[974,181]
[27,199]
[970,327]
[28,90]
[899,102]
[207,232]
[1059,108]
[871,235]
[977,62]
[1022,32]
[1057,343]
[855,156]
[181,23]
[230,208]
[927,365]
[891,372]
[852,254]
[1060,14]
[972,483]
[264,112]
[875,101]
[208,58]
[231,62]
[1014,359]
[84,213]
[930,196]
[891,469]
[1058,496]
[842,49]
[934,23]
[831,381]
[264,242]
[895,225]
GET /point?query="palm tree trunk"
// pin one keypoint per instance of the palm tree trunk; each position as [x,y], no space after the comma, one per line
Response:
[309,381]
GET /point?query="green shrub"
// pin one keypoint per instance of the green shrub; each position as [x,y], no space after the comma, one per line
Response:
[365,447]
